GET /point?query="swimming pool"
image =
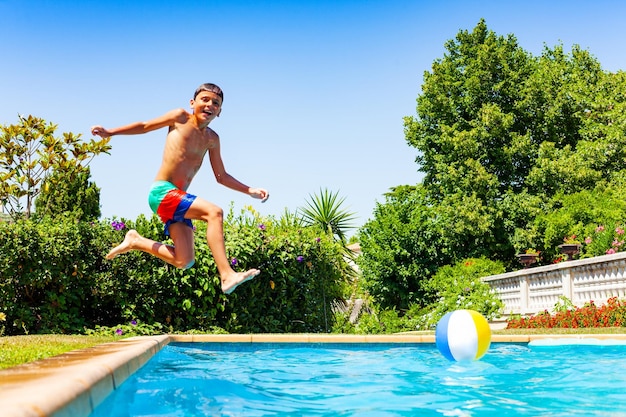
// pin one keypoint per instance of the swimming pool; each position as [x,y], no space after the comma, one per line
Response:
[276,379]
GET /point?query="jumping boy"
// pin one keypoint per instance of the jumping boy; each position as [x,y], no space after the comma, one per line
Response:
[188,140]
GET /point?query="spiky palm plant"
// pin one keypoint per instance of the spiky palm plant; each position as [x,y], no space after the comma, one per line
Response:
[324,211]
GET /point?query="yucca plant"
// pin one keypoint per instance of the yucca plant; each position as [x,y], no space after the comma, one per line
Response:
[324,211]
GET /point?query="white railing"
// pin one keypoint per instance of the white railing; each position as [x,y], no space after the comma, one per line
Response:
[532,290]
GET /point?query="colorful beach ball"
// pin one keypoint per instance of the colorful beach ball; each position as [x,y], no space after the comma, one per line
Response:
[463,335]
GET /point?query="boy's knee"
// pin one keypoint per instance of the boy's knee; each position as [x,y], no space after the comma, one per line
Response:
[215,213]
[184,263]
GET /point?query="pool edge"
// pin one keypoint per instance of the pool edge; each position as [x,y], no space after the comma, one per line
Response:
[75,383]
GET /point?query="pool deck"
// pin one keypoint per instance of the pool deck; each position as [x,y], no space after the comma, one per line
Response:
[75,383]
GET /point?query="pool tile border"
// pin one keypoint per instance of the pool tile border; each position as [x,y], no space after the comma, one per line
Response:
[75,383]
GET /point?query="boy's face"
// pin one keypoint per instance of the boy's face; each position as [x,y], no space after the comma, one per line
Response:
[206,106]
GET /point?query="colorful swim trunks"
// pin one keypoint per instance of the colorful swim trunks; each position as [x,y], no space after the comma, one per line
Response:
[170,203]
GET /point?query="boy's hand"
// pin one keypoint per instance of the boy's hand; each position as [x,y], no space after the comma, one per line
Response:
[260,193]
[100,131]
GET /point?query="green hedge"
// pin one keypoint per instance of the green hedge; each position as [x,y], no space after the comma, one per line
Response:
[54,278]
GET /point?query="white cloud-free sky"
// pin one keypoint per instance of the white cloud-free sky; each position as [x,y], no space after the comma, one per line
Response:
[315,90]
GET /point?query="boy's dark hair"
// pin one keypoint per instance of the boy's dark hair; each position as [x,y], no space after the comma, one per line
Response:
[210,87]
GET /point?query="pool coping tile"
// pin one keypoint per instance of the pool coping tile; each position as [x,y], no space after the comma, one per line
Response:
[75,383]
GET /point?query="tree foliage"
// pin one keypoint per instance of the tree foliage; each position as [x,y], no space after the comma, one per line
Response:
[69,193]
[504,137]
[399,248]
[466,132]
[29,154]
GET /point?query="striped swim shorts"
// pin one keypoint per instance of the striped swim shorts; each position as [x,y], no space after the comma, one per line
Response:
[170,203]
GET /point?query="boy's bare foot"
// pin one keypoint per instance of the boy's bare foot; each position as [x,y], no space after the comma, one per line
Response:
[236,278]
[125,246]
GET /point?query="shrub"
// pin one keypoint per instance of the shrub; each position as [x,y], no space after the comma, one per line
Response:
[302,272]
[149,290]
[603,240]
[48,276]
[381,321]
[133,328]
[459,286]
[54,278]
[453,287]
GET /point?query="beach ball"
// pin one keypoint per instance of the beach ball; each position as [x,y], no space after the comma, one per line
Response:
[463,335]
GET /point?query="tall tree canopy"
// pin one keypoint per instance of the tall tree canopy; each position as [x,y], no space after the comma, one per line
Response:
[466,130]
[502,136]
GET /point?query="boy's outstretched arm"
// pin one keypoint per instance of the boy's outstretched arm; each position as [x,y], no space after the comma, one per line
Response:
[168,119]
[227,180]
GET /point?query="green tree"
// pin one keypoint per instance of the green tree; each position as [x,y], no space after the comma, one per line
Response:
[30,153]
[494,123]
[572,100]
[474,143]
[503,137]
[400,248]
[69,193]
[466,130]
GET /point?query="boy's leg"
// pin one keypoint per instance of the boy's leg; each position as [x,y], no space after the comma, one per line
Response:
[214,216]
[181,255]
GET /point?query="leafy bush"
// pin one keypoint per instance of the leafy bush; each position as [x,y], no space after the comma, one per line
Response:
[54,278]
[134,328]
[48,276]
[69,193]
[459,286]
[381,321]
[302,272]
[148,290]
[604,241]
[453,287]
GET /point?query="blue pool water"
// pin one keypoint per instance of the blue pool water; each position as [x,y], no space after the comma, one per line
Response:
[226,379]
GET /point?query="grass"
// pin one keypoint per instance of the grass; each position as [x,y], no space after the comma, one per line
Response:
[16,350]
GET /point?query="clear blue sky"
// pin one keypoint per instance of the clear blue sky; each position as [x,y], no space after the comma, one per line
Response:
[315,90]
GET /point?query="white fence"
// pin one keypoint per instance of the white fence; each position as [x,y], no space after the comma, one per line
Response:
[532,290]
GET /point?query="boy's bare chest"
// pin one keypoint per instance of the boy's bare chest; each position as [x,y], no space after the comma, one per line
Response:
[190,143]
[197,140]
